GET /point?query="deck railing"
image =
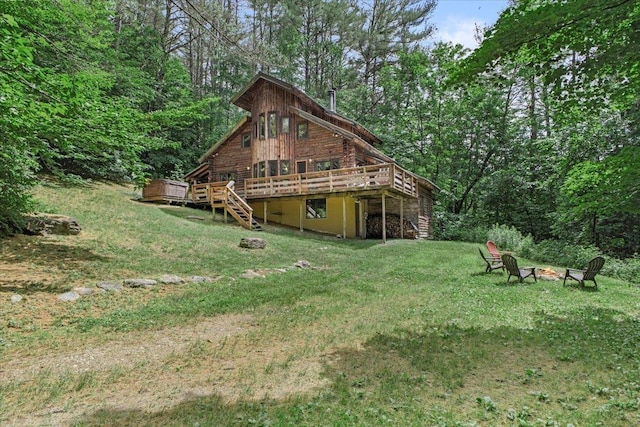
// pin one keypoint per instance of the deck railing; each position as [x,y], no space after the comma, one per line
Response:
[384,176]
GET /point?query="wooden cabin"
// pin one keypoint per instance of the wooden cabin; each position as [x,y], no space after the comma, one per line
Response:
[291,161]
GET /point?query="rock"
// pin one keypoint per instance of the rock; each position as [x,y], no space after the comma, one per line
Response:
[302,264]
[68,296]
[252,243]
[197,218]
[199,279]
[109,286]
[139,283]
[43,224]
[250,274]
[16,299]
[170,279]
[83,291]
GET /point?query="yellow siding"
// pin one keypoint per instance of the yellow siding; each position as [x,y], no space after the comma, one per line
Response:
[287,212]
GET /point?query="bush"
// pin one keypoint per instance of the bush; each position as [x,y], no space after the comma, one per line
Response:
[459,228]
[508,238]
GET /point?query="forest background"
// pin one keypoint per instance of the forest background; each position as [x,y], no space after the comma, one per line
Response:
[535,133]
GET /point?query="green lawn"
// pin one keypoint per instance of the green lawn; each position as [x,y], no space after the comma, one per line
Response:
[407,333]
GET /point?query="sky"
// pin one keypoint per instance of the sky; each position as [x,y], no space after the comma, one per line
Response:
[455,19]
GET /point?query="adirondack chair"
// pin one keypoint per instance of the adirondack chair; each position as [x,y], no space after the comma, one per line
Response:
[492,263]
[493,250]
[511,264]
[593,267]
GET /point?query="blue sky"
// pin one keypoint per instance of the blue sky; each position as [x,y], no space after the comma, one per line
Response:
[455,19]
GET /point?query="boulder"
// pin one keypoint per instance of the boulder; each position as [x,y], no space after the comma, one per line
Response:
[68,296]
[170,279]
[302,264]
[109,286]
[139,283]
[252,243]
[43,224]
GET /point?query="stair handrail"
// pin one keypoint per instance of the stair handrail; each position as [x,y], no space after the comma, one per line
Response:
[236,198]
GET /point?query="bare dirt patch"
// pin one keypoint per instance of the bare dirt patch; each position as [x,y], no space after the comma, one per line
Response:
[149,371]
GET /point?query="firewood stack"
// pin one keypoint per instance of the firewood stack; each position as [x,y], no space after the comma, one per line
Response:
[374,227]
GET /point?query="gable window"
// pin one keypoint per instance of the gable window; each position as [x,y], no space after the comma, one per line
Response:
[316,208]
[302,130]
[273,167]
[261,127]
[246,140]
[284,167]
[273,124]
[284,128]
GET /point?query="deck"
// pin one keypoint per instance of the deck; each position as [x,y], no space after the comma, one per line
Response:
[352,180]
[365,178]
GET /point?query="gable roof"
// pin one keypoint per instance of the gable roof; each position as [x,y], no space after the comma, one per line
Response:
[245,98]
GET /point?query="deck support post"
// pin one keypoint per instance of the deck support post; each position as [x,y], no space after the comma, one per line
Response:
[265,211]
[344,217]
[402,217]
[302,202]
[384,219]
[364,208]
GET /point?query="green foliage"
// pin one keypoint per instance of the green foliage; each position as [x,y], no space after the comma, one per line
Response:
[461,228]
[605,187]
[508,238]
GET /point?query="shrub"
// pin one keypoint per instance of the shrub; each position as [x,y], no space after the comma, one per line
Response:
[509,238]
[460,228]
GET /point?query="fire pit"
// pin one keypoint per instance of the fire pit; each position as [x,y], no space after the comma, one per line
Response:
[547,273]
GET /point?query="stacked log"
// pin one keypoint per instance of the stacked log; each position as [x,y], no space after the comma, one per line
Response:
[374,227]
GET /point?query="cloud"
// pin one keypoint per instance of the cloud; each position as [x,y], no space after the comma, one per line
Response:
[457,29]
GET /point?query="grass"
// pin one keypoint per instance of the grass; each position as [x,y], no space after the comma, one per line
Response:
[405,333]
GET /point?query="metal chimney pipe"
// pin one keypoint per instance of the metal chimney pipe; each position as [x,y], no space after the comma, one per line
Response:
[332,100]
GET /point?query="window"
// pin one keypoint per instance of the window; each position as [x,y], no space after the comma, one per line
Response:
[261,127]
[301,166]
[246,140]
[255,170]
[255,130]
[273,124]
[228,176]
[273,167]
[261,170]
[285,125]
[284,167]
[325,165]
[316,208]
[302,130]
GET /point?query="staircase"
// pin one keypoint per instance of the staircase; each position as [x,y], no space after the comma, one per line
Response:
[228,199]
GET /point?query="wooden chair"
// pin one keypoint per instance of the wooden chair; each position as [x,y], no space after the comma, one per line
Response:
[593,268]
[511,264]
[493,250]
[492,263]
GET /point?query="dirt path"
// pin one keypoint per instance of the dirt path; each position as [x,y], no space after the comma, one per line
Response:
[153,371]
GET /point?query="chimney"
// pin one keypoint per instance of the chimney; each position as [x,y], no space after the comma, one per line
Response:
[332,100]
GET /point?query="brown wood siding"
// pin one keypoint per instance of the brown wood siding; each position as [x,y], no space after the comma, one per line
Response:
[231,158]
[272,98]
[320,145]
